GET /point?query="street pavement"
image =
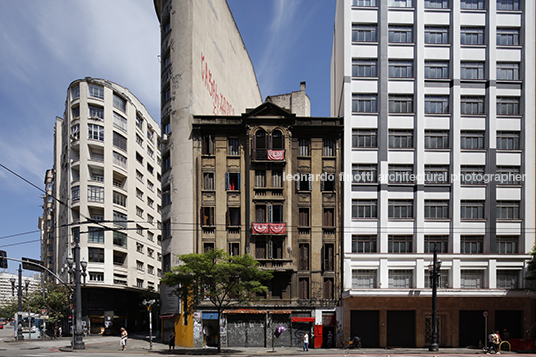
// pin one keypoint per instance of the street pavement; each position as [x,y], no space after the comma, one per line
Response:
[139,345]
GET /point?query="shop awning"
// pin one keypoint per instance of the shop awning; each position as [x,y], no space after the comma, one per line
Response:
[210,315]
[303,319]
[245,311]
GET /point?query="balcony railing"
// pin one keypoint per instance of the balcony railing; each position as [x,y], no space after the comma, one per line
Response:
[269,228]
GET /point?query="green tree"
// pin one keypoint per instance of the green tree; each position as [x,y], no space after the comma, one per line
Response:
[218,278]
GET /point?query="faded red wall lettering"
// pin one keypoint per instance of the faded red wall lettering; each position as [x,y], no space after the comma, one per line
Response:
[220,103]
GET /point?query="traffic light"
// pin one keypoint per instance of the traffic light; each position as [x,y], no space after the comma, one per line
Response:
[3,260]
[70,320]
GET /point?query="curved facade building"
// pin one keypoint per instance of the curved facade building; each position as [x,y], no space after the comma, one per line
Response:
[107,172]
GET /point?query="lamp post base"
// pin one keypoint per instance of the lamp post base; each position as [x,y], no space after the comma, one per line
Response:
[78,343]
[433,347]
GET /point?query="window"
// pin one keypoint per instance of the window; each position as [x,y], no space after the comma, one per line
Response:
[139,157]
[364,103]
[96,91]
[441,243]
[329,257]
[150,269]
[75,112]
[95,255]
[436,69]
[277,178]
[472,175]
[166,94]
[120,219]
[139,266]
[303,219]
[472,70]
[139,194]
[472,4]
[508,71]
[150,169]
[508,105]
[364,68]
[303,286]
[305,182]
[364,173]
[150,185]
[233,217]
[436,34]
[167,229]
[507,279]
[508,36]
[507,244]
[207,216]
[75,92]
[508,140]
[400,138]
[472,35]
[139,212]
[150,220]
[365,138]
[472,104]
[436,104]
[364,279]
[139,247]
[234,147]
[150,202]
[327,291]
[436,4]
[207,145]
[509,175]
[443,281]
[139,177]
[139,140]
[120,122]
[95,235]
[166,262]
[436,139]
[95,194]
[150,235]
[260,249]
[472,139]
[96,276]
[304,256]
[119,103]
[303,146]
[508,209]
[364,33]
[400,3]
[365,3]
[400,34]
[401,279]
[139,121]
[120,141]
[400,244]
[436,174]
[436,209]
[400,69]
[364,209]
[96,112]
[401,174]
[95,132]
[328,148]
[327,182]
[120,239]
[364,243]
[472,279]
[75,193]
[472,209]
[232,181]
[260,178]
[399,103]
[119,199]
[508,5]
[167,162]
[328,218]
[166,198]
[400,209]
[150,152]
[277,140]
[208,181]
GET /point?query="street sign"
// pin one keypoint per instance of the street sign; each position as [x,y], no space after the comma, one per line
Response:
[485,313]
[36,266]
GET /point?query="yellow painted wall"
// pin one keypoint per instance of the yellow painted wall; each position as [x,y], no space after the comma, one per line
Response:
[184,334]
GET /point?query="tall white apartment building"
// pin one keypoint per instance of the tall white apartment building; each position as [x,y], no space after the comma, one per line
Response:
[438,103]
[106,177]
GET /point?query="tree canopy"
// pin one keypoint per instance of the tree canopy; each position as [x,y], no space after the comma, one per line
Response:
[218,278]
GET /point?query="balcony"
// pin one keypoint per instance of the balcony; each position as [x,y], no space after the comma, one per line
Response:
[269,228]
[269,155]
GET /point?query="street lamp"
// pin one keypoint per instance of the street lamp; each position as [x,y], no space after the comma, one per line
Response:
[149,304]
[434,269]
[19,306]
[74,268]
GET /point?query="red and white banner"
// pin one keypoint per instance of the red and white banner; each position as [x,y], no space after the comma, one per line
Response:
[261,228]
[277,228]
[276,155]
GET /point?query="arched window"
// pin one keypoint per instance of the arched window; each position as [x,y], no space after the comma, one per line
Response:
[277,140]
[260,140]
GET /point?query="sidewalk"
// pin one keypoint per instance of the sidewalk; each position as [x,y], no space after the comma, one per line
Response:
[139,345]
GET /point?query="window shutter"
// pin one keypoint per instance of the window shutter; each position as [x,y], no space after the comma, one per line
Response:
[228,217]
[322,185]
[270,249]
[227,181]
[310,183]
[238,183]
[270,213]
[269,138]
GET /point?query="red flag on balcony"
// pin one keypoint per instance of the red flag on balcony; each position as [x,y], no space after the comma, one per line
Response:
[277,228]
[261,228]
[276,155]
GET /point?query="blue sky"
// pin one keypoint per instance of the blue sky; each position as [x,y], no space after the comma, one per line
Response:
[48,44]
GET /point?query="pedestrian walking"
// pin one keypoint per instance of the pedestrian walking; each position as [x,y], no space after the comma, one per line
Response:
[330,339]
[171,341]
[123,340]
[305,342]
